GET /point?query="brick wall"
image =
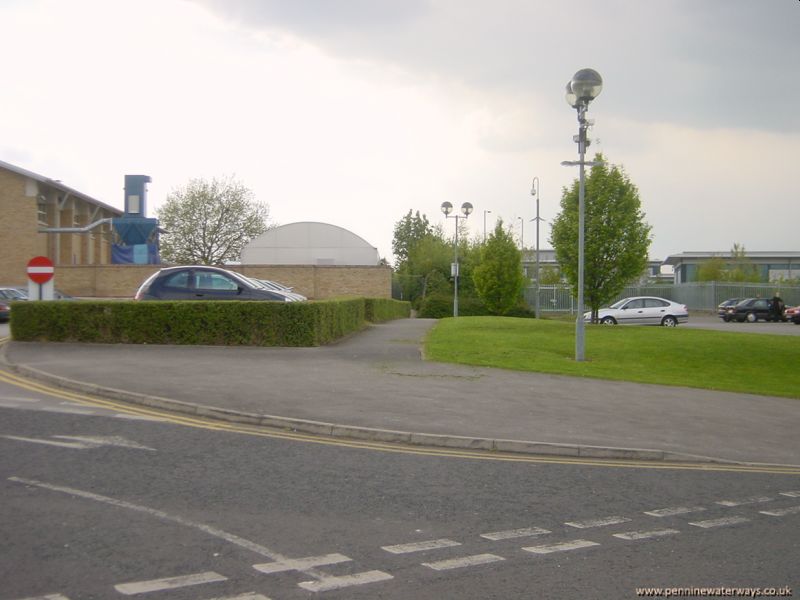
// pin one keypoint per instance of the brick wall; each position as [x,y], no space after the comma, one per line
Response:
[315,282]
[19,241]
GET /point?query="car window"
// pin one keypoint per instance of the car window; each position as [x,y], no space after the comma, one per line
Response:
[178,280]
[634,304]
[760,304]
[214,281]
[655,303]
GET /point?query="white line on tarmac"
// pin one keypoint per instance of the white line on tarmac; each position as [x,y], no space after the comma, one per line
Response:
[514,533]
[300,564]
[674,510]
[791,494]
[168,583]
[212,531]
[562,547]
[466,561]
[73,445]
[724,522]
[245,596]
[597,522]
[645,535]
[750,500]
[420,546]
[781,512]
[47,597]
[337,583]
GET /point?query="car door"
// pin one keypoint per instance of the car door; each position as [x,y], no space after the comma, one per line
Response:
[211,285]
[632,312]
[654,310]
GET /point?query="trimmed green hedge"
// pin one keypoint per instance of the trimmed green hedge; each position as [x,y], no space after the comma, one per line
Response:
[201,323]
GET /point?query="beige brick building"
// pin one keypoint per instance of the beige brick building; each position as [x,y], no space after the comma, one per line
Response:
[30,203]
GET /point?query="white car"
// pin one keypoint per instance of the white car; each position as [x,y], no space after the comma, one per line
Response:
[642,310]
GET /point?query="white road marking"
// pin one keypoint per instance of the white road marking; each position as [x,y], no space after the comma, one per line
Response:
[20,399]
[466,561]
[674,510]
[245,596]
[168,583]
[47,597]
[514,533]
[420,546]
[781,512]
[645,535]
[300,564]
[73,445]
[212,531]
[791,494]
[597,522]
[750,500]
[337,583]
[82,442]
[724,522]
[562,547]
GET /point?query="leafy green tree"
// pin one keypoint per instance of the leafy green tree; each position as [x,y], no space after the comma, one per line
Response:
[408,231]
[742,268]
[712,269]
[616,237]
[210,222]
[549,276]
[499,279]
[429,260]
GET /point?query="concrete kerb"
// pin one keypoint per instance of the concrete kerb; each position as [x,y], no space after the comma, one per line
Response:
[334,430]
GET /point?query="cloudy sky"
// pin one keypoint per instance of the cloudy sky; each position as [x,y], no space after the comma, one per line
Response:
[352,112]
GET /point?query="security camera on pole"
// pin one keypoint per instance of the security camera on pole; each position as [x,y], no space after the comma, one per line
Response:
[40,278]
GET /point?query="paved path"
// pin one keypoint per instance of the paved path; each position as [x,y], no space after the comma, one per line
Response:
[377,379]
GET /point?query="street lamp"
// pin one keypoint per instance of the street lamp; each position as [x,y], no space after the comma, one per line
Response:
[584,87]
[466,209]
[484,224]
[535,192]
[521,234]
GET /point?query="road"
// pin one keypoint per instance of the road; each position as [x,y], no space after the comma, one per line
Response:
[102,501]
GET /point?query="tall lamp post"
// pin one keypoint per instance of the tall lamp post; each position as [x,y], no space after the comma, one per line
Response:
[535,192]
[584,87]
[484,224]
[466,209]
[521,234]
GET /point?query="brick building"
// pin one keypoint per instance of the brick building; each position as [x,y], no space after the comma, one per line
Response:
[30,203]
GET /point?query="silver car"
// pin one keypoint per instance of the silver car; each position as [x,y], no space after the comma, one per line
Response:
[642,310]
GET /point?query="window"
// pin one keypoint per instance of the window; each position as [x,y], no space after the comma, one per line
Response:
[634,304]
[653,303]
[179,280]
[214,281]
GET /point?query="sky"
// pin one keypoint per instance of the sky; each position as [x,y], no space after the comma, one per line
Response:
[353,112]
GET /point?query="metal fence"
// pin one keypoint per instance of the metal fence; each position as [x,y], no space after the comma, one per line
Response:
[697,296]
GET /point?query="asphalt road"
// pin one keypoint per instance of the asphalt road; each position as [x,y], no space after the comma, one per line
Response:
[99,504]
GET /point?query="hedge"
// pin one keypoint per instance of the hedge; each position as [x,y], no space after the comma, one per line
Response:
[218,323]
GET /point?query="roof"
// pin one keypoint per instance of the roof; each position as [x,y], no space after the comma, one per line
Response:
[676,259]
[54,183]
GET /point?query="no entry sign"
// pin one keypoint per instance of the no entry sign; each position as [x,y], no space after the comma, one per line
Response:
[40,269]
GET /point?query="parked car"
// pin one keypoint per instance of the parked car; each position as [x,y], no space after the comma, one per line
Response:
[203,283]
[642,310]
[57,294]
[279,287]
[11,293]
[722,309]
[792,314]
[5,311]
[753,309]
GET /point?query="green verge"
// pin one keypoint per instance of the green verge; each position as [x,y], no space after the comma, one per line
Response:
[735,362]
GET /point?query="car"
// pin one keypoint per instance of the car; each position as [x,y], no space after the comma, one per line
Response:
[57,294]
[642,310]
[201,282]
[792,314]
[12,293]
[722,309]
[5,311]
[279,287]
[752,310]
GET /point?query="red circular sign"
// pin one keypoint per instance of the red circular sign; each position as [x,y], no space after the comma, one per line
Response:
[40,269]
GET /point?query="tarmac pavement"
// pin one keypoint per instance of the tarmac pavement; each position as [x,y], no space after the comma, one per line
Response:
[375,385]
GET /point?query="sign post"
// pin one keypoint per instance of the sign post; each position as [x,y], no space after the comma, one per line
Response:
[40,274]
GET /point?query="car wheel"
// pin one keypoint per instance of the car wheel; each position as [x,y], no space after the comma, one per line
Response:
[608,321]
[669,321]
[726,319]
[751,317]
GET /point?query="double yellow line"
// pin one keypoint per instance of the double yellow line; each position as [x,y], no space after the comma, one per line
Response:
[215,425]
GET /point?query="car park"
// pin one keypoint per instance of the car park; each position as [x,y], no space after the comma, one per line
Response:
[722,309]
[752,310]
[642,310]
[203,283]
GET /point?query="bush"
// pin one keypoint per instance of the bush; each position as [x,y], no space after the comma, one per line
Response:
[205,323]
[439,306]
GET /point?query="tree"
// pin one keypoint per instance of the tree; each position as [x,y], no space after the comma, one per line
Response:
[739,268]
[617,239]
[210,222]
[408,231]
[499,279]
[712,269]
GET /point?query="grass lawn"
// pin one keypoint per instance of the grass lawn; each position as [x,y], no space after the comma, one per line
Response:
[736,362]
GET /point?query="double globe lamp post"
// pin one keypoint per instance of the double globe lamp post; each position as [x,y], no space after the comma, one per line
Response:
[584,87]
[466,210]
